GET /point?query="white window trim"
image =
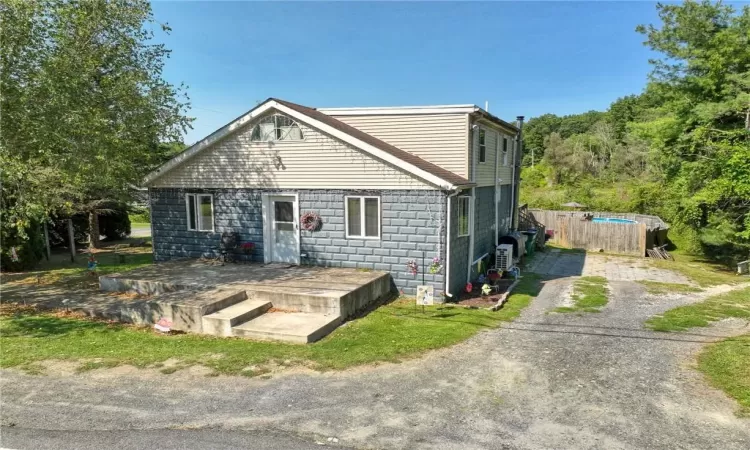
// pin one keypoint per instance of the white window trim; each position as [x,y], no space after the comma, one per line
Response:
[469,212]
[479,147]
[257,124]
[362,216]
[197,196]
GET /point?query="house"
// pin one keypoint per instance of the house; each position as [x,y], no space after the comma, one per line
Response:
[391,186]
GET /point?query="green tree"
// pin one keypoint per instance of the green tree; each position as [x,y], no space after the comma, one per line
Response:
[535,132]
[703,81]
[84,105]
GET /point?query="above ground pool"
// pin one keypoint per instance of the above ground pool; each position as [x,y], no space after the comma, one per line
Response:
[612,220]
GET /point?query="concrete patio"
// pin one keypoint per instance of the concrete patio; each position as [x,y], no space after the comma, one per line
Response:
[263,301]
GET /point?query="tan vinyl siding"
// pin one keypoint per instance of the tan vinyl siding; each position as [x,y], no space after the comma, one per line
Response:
[318,161]
[438,138]
[505,171]
[486,171]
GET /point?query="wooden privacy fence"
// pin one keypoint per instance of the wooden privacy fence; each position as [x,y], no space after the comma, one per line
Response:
[571,229]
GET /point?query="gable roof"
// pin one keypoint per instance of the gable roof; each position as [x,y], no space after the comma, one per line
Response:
[422,169]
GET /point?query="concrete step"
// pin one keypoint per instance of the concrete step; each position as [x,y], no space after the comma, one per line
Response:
[297,327]
[221,322]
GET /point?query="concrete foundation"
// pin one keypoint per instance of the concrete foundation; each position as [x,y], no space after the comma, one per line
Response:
[233,300]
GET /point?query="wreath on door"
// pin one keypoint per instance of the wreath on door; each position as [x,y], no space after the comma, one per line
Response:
[310,221]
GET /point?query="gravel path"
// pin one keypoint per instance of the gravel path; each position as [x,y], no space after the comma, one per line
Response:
[544,381]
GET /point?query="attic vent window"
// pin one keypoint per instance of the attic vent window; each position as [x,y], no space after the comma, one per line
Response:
[276,128]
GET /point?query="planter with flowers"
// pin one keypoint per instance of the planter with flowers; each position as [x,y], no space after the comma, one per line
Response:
[436,266]
[412,267]
[247,248]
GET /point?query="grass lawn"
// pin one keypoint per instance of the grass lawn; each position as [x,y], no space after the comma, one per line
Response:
[392,332]
[657,287]
[138,219]
[727,366]
[60,270]
[589,295]
[702,272]
[725,363]
[731,304]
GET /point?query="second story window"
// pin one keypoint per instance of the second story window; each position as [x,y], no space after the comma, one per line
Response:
[505,151]
[482,146]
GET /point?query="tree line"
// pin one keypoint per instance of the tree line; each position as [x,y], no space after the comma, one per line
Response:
[85,113]
[680,149]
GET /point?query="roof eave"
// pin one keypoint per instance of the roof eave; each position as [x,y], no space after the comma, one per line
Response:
[479,112]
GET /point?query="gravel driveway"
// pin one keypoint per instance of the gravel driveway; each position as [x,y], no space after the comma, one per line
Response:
[597,381]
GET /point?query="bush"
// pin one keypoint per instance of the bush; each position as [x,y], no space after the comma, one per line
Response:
[140,215]
[115,225]
[30,249]
[58,232]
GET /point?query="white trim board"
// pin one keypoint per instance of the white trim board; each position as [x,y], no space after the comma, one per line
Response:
[265,200]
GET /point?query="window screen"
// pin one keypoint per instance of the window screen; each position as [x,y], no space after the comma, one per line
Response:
[200,212]
[354,216]
[463,215]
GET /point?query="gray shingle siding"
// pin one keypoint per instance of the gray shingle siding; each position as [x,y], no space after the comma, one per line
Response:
[237,210]
[504,208]
[483,230]
[459,257]
[413,225]
[484,220]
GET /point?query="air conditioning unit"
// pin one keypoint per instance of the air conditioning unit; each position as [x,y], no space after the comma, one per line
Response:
[504,257]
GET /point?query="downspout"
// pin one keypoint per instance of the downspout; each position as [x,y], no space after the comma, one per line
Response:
[471,235]
[497,160]
[517,156]
[151,224]
[473,165]
[448,246]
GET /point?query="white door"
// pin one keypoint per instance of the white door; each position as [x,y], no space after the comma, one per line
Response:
[284,229]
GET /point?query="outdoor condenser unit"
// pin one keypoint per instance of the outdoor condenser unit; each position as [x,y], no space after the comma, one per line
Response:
[504,257]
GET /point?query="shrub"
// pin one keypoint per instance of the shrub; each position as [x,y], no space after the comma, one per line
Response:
[30,249]
[140,214]
[115,225]
[112,225]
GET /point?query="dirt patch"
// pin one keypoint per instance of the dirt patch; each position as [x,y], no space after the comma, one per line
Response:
[11,309]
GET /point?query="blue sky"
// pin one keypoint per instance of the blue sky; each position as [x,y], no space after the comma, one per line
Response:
[525,58]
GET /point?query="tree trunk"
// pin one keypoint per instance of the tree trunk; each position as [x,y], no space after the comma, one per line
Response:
[93,229]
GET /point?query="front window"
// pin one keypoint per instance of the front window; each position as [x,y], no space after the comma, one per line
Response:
[363,217]
[464,215]
[482,146]
[276,128]
[200,212]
